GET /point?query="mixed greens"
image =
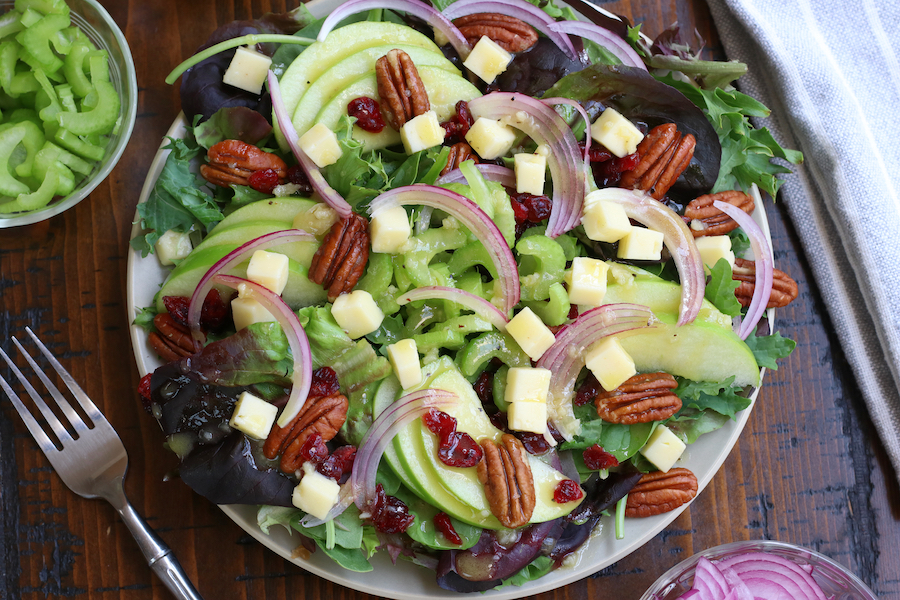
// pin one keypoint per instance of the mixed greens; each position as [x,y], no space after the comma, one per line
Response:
[477,252]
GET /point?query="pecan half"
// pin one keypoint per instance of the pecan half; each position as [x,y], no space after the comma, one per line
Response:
[341,259]
[171,340]
[510,33]
[665,154]
[232,162]
[459,153]
[507,479]
[659,492]
[706,219]
[784,289]
[643,398]
[402,92]
[324,415]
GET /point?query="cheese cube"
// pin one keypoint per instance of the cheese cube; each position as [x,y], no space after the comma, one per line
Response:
[356,313]
[315,494]
[531,170]
[527,416]
[247,311]
[489,138]
[527,384]
[641,244]
[248,70]
[172,246]
[604,221]
[321,145]
[487,59]
[422,132]
[253,416]
[389,230]
[714,247]
[617,133]
[404,357]
[530,333]
[269,269]
[587,281]
[663,448]
[609,363]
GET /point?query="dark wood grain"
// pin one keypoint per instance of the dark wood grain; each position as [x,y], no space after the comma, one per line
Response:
[808,469]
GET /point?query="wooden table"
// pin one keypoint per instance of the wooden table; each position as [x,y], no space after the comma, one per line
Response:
[808,469]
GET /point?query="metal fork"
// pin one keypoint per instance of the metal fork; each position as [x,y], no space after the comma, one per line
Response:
[92,462]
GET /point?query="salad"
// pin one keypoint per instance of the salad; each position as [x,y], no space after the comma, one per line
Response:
[456,285]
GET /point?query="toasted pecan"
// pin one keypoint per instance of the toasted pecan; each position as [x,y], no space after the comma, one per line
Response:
[232,162]
[324,415]
[403,95]
[510,33]
[784,288]
[459,153]
[641,399]
[171,340]
[508,481]
[659,492]
[664,155]
[340,261]
[706,219]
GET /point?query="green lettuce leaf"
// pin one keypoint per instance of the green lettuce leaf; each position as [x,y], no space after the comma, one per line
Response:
[720,289]
[721,397]
[768,348]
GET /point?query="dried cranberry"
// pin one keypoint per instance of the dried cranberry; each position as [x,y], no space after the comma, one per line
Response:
[390,514]
[367,113]
[313,449]
[460,450]
[265,180]
[144,391]
[587,391]
[567,491]
[534,443]
[596,458]
[338,463]
[213,314]
[458,125]
[297,176]
[440,423]
[519,210]
[484,388]
[324,383]
[598,152]
[443,524]
[610,172]
[538,208]
[573,311]
[464,114]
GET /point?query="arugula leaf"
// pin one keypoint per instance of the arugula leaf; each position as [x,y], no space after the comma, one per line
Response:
[721,396]
[767,348]
[243,195]
[690,423]
[720,289]
[740,242]
[144,318]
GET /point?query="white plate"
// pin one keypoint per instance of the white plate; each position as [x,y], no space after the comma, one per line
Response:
[405,581]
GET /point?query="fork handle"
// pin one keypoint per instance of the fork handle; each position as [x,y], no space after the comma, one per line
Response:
[159,555]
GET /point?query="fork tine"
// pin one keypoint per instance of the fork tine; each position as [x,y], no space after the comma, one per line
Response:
[57,427]
[74,418]
[43,441]
[86,403]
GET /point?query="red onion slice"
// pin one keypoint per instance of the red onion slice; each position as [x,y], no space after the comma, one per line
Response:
[677,238]
[544,125]
[765,267]
[482,307]
[299,343]
[328,193]
[602,36]
[228,262]
[587,133]
[470,215]
[502,175]
[413,7]
[520,9]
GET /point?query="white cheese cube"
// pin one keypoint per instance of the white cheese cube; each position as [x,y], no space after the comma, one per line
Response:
[389,230]
[269,269]
[530,333]
[617,133]
[641,244]
[321,145]
[663,448]
[527,384]
[253,416]
[609,363]
[422,132]
[248,70]
[487,59]
[587,281]
[172,246]
[356,313]
[527,416]
[247,311]
[604,221]
[531,170]
[315,494]
[490,139]
[404,357]
[714,247]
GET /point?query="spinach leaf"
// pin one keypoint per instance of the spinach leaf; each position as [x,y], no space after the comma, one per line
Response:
[720,289]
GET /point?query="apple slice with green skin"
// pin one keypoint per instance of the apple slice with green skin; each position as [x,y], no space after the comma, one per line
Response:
[700,351]
[332,81]
[444,89]
[338,45]
[660,296]
[273,209]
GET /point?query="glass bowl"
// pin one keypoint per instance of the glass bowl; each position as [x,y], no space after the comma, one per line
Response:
[835,579]
[95,22]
